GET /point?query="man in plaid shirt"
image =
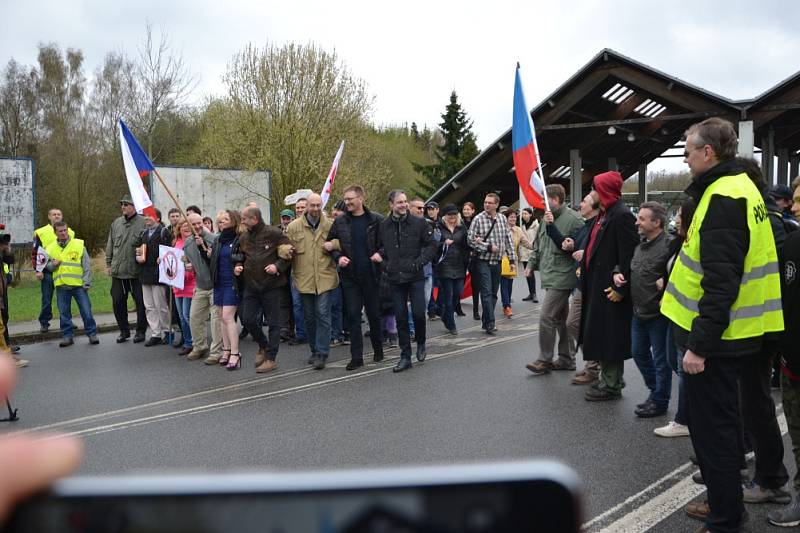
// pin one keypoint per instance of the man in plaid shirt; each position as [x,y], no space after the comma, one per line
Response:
[490,238]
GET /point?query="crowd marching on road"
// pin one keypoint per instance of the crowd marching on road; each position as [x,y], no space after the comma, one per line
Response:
[715,302]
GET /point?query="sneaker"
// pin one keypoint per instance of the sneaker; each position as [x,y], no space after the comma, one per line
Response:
[20,363]
[754,493]
[45,328]
[433,316]
[539,367]
[789,516]
[94,340]
[336,342]
[267,366]
[672,429]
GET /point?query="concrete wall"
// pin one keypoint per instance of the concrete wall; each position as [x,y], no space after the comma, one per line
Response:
[16,199]
[212,189]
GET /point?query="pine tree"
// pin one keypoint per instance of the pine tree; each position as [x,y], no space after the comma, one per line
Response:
[458,148]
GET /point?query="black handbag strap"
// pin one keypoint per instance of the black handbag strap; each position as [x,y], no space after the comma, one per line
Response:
[491,228]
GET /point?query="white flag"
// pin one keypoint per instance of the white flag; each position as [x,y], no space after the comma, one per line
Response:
[41,259]
[170,266]
[328,187]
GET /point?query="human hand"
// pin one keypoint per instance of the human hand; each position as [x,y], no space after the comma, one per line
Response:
[271,269]
[619,279]
[108,271]
[376,258]
[568,245]
[198,240]
[693,363]
[328,246]
[613,295]
[343,261]
[577,255]
[527,272]
[660,284]
[237,270]
[448,242]
[29,463]
[40,275]
[494,248]
[55,262]
[548,217]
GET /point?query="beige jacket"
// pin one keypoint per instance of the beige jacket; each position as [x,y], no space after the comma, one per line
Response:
[313,269]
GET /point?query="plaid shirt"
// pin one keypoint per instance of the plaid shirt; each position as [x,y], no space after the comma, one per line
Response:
[500,237]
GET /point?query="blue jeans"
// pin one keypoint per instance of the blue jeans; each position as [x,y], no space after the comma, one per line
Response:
[337,320]
[649,347]
[317,312]
[64,296]
[675,358]
[184,306]
[489,278]
[449,289]
[402,293]
[297,310]
[46,313]
[506,286]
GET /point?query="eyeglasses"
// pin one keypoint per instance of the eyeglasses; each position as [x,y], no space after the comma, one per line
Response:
[694,149]
[350,199]
[123,204]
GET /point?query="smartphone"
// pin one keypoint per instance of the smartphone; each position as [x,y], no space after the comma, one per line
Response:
[475,498]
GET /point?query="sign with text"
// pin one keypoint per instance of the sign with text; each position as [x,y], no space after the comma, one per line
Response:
[16,199]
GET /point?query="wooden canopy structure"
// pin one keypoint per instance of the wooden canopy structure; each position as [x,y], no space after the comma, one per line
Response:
[618,114]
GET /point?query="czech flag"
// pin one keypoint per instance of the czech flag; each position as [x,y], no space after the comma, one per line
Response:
[328,187]
[525,150]
[137,167]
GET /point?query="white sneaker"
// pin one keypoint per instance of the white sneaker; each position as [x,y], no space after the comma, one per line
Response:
[673,429]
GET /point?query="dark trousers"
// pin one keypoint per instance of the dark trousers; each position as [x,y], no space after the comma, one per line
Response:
[531,280]
[402,293]
[120,289]
[264,305]
[760,422]
[716,433]
[451,292]
[475,284]
[46,312]
[489,278]
[362,291]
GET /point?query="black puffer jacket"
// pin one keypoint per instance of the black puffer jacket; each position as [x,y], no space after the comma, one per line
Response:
[342,230]
[406,245]
[724,241]
[454,264]
[148,271]
[790,286]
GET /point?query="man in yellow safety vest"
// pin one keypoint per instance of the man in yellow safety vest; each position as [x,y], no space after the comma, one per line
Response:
[44,237]
[72,278]
[723,296]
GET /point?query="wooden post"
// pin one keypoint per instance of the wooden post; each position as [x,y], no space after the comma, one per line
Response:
[642,183]
[783,166]
[576,178]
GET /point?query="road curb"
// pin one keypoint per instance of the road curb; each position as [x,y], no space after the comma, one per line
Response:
[55,333]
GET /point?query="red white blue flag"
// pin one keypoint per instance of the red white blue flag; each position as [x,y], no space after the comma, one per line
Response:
[137,167]
[525,151]
[328,187]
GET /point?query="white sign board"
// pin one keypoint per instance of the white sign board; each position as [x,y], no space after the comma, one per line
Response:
[170,266]
[212,190]
[16,199]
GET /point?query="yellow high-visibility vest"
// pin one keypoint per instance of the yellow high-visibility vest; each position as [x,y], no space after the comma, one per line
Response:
[70,271]
[757,308]
[47,235]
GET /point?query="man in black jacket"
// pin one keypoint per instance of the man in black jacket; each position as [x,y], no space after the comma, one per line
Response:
[357,232]
[405,245]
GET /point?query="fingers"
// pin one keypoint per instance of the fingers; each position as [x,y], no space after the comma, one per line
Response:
[30,464]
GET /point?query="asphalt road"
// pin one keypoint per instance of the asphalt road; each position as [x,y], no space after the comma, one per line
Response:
[147,410]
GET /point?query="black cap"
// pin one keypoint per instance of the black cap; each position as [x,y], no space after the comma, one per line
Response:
[450,209]
[781,191]
[431,204]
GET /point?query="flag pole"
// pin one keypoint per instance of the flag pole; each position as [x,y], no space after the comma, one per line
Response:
[178,205]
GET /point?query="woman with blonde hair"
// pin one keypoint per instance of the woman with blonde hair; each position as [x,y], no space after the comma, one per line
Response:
[224,256]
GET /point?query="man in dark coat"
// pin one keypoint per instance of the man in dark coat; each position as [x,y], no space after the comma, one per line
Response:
[406,245]
[607,310]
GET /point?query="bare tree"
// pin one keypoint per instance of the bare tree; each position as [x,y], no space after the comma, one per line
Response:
[18,110]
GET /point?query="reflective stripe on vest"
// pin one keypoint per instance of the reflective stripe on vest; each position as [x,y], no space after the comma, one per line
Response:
[47,235]
[757,308]
[70,271]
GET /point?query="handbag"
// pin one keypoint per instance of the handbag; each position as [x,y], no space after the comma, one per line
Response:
[505,268]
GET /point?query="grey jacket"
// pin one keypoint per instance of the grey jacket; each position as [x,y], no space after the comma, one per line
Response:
[649,263]
[200,261]
[120,252]
[85,265]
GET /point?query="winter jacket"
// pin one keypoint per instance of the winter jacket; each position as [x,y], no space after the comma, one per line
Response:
[313,269]
[530,233]
[120,248]
[790,292]
[148,271]
[648,265]
[260,247]
[189,276]
[454,263]
[201,262]
[556,267]
[406,245]
[342,230]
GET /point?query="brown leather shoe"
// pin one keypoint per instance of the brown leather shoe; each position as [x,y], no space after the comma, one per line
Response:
[507,311]
[211,360]
[584,378]
[261,356]
[539,367]
[697,510]
[267,366]
[194,355]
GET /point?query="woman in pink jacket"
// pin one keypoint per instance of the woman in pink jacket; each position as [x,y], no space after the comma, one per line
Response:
[183,297]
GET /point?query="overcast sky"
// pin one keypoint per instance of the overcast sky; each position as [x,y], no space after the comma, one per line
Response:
[413,53]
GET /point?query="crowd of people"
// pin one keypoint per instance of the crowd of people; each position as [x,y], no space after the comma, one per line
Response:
[714,303]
